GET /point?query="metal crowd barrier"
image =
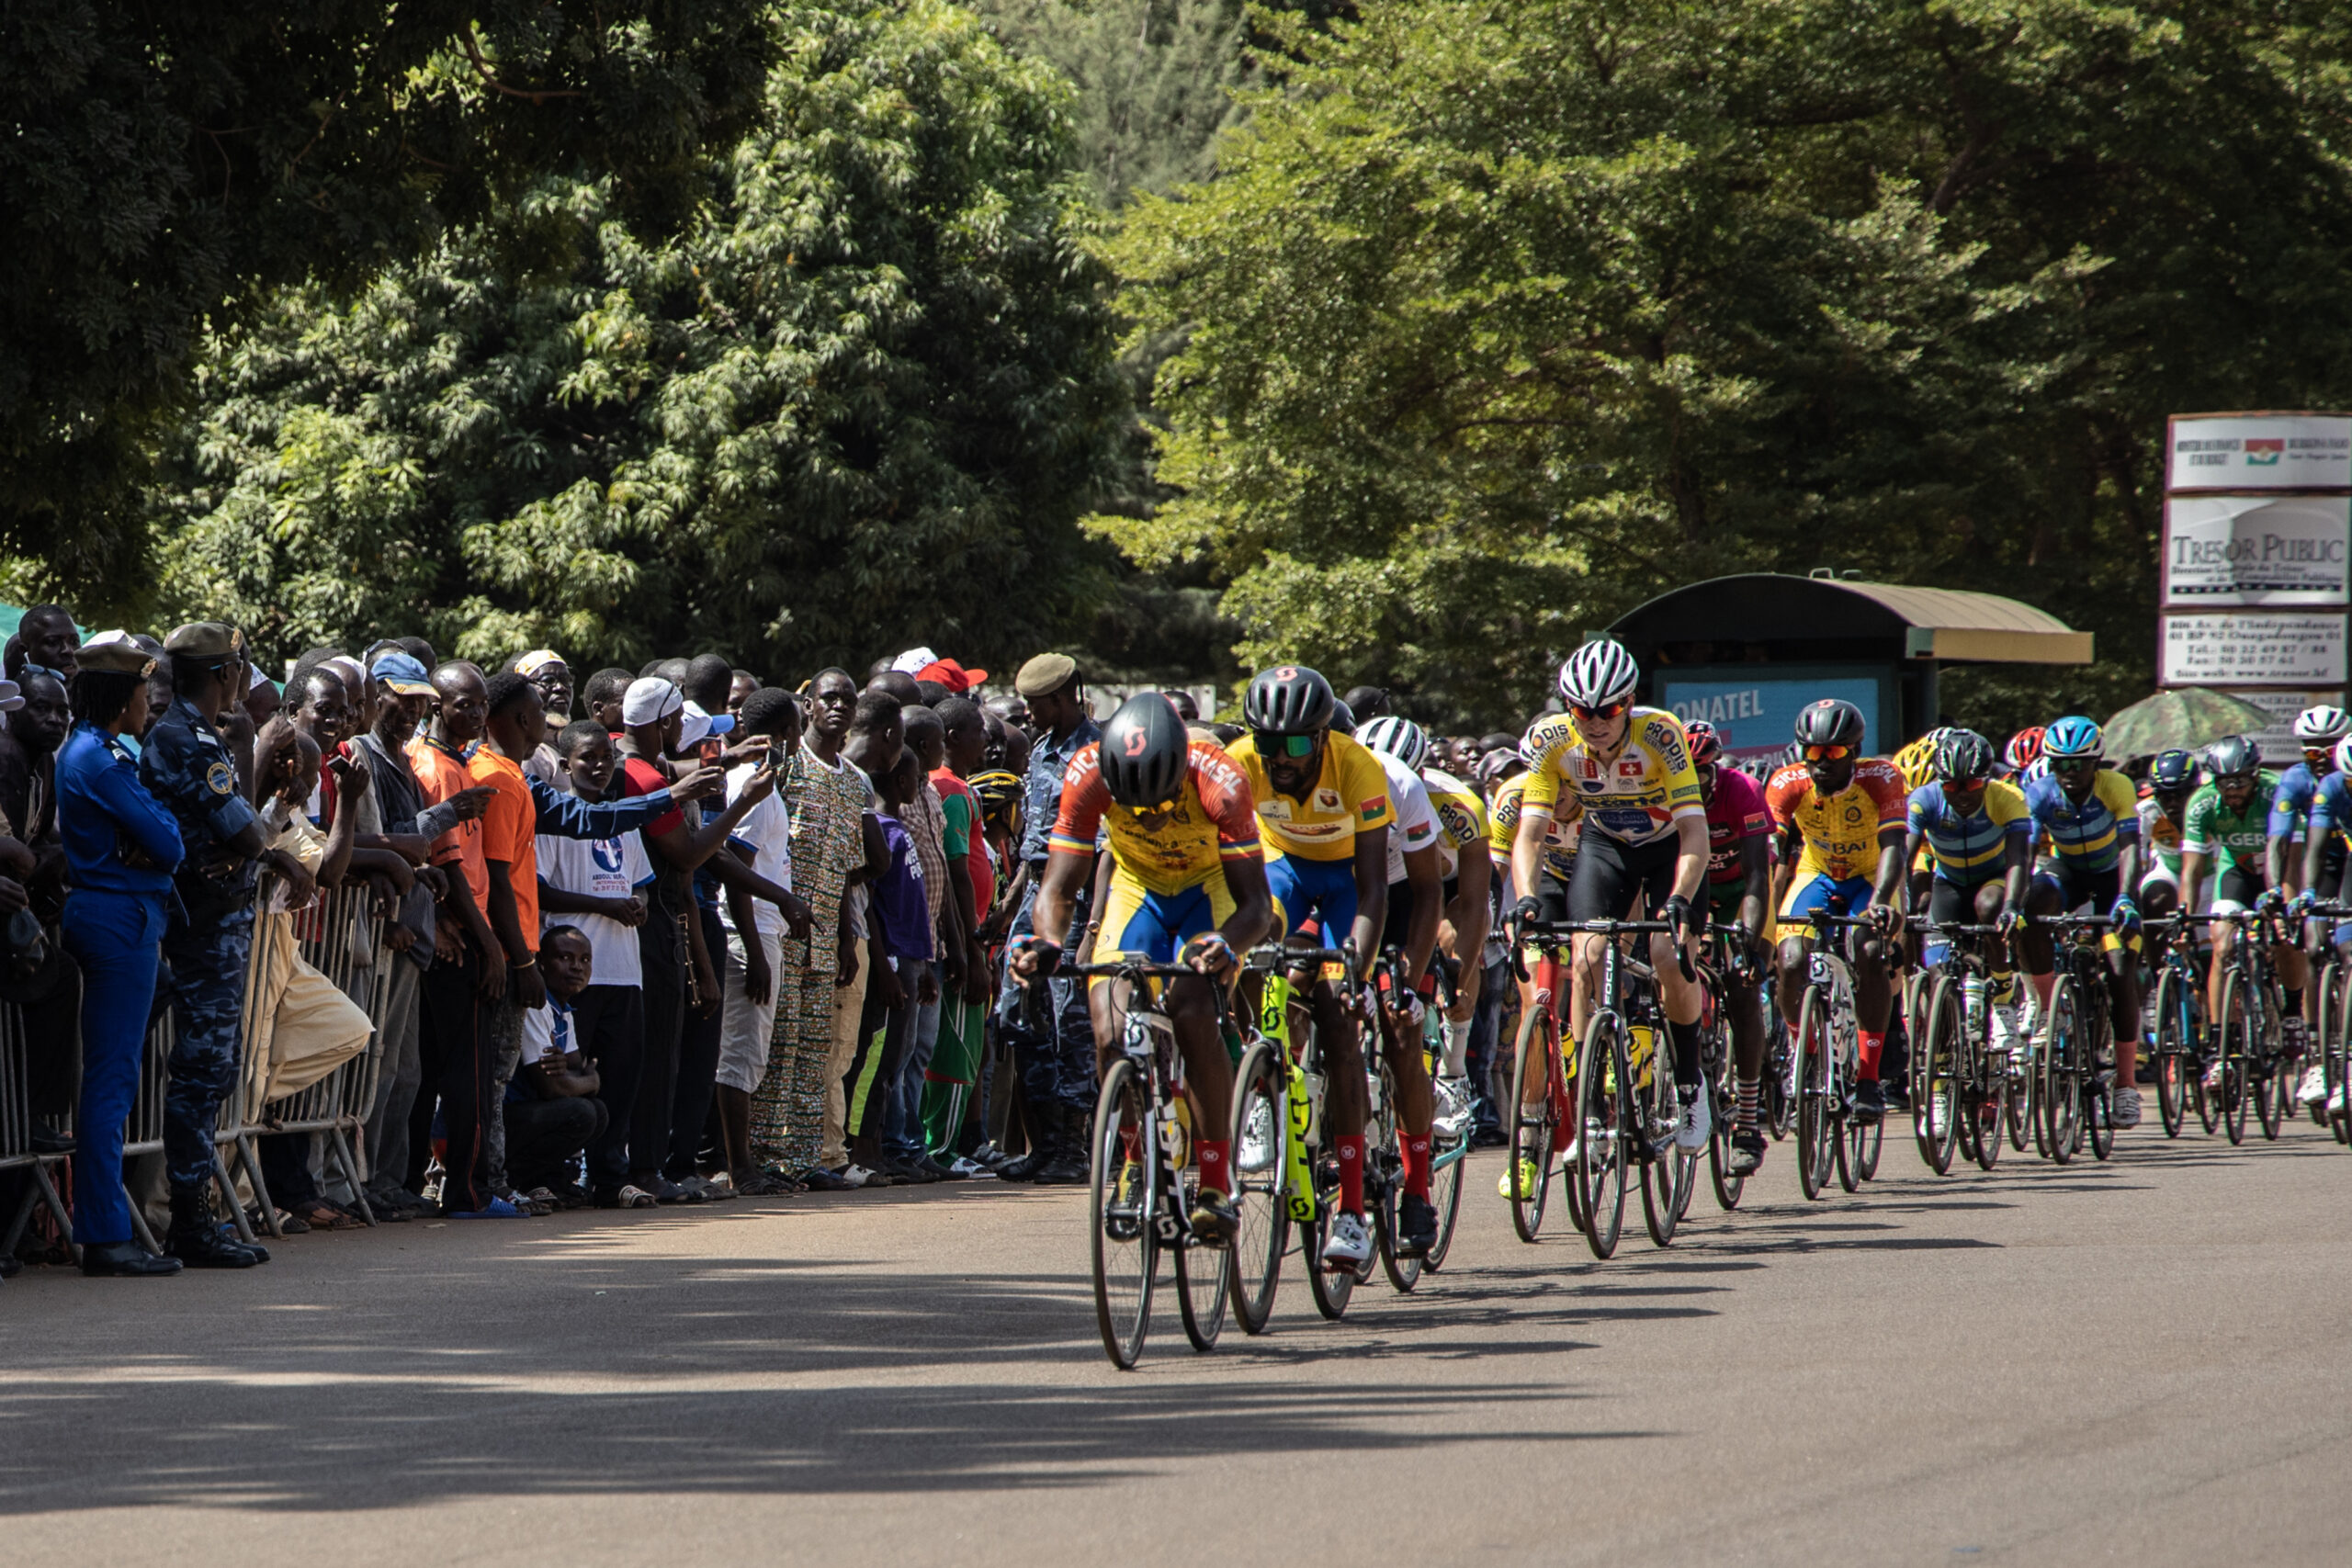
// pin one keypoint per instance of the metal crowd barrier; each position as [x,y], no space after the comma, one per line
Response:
[16,1150]
[341,937]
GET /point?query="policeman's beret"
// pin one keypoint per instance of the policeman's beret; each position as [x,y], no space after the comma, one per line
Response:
[1047,673]
[113,653]
[201,640]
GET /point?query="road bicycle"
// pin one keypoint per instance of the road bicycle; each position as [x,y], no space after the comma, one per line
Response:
[1447,1150]
[1286,1169]
[2250,1058]
[2075,1054]
[1143,1177]
[1961,1075]
[1724,963]
[1540,1102]
[1827,1054]
[2330,987]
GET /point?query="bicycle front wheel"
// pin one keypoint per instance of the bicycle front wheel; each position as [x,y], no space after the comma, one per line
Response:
[1666,1171]
[1603,1108]
[1446,1197]
[1201,1288]
[1935,1095]
[1261,1135]
[2338,1104]
[1385,1194]
[2172,1062]
[2237,1040]
[1816,1127]
[1123,1207]
[2059,1094]
[1535,1123]
[2277,1104]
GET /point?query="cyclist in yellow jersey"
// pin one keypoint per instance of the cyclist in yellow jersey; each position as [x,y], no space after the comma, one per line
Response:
[1644,839]
[1324,808]
[1183,849]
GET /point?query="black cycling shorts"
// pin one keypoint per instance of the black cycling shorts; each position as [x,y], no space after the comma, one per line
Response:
[1611,872]
[1949,904]
[1400,919]
[2099,889]
[2240,885]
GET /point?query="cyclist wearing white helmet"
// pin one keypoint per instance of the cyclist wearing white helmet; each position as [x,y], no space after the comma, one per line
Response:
[1465,879]
[2326,871]
[2227,829]
[1645,838]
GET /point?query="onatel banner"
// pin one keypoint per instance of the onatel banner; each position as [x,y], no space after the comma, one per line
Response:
[2248,550]
[2258,451]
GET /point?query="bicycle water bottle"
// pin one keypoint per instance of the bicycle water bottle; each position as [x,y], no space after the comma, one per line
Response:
[1643,1050]
[1972,1005]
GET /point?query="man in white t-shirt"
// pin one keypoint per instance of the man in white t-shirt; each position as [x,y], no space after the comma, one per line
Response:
[551,1108]
[755,926]
[599,886]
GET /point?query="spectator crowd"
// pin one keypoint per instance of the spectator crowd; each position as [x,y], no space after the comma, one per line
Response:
[659,937]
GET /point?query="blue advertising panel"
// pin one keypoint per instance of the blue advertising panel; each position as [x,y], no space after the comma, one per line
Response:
[1754,709]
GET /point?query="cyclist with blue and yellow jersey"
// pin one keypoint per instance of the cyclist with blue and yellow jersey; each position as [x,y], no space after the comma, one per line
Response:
[1324,809]
[1645,838]
[1977,832]
[2091,815]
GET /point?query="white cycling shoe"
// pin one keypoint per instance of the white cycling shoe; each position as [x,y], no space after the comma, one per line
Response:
[2124,1108]
[1698,1123]
[1350,1244]
[2312,1092]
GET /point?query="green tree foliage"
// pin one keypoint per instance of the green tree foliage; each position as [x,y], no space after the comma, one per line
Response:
[162,165]
[1504,317]
[859,401]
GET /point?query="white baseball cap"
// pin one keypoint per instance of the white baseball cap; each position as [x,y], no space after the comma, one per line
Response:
[649,700]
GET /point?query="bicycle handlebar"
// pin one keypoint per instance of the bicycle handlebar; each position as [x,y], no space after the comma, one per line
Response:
[1543,930]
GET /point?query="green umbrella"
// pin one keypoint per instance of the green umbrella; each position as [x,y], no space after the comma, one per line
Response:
[2190,718]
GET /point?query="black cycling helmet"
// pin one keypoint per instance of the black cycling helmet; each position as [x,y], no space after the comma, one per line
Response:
[2173,771]
[1343,718]
[2233,754]
[1289,699]
[1830,722]
[1145,750]
[1964,756]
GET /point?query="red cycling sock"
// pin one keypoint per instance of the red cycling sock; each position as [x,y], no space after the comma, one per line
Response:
[1873,1041]
[1351,1174]
[1417,1165]
[1215,1157]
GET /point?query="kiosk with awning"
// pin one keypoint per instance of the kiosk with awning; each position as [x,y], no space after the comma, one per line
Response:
[1747,652]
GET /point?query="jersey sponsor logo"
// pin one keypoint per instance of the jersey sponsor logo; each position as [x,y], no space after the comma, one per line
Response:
[1275,808]
[1328,800]
[1460,825]
[1588,768]
[1629,767]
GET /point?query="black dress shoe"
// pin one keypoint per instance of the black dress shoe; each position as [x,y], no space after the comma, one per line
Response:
[49,1141]
[124,1259]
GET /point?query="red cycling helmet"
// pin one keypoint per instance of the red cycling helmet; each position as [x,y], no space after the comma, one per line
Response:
[2024,748]
[1706,745]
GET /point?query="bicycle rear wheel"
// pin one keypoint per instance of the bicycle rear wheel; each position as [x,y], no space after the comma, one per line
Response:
[1778,1108]
[1121,1210]
[1729,1188]
[1201,1286]
[1332,1290]
[1446,1197]
[1535,1126]
[1385,1191]
[1260,1126]
[1935,1097]
[2276,1102]
[2099,1105]
[2058,1096]
[2338,1104]
[2173,1067]
[1665,1174]
[1603,1109]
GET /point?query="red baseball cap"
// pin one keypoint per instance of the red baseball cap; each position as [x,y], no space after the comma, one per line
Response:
[949,674]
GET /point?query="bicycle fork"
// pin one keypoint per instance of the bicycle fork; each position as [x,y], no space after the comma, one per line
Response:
[1274,1022]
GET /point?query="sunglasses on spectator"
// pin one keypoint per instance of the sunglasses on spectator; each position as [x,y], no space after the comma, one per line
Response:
[1827,753]
[1269,745]
[1599,714]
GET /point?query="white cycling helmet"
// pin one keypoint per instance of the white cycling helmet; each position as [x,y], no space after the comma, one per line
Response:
[2320,725]
[2344,756]
[1399,738]
[1596,674]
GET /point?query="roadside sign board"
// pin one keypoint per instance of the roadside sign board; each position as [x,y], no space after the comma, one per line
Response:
[2258,451]
[2251,648]
[2238,551]
[1757,714]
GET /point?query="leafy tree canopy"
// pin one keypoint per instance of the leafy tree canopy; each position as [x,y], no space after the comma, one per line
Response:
[858,402]
[1503,317]
[163,164]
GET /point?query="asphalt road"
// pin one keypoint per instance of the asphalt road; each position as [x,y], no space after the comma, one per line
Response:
[2145,1361]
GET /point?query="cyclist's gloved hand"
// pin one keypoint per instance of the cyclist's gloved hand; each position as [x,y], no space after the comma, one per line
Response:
[1209,953]
[2302,902]
[2124,915]
[2008,922]
[1527,910]
[1683,915]
[1031,954]
[2272,898]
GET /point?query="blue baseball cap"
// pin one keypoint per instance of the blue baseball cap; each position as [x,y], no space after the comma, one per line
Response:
[402,673]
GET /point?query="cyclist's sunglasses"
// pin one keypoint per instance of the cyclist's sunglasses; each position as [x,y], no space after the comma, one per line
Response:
[1827,753]
[1271,745]
[2316,754]
[2073,764]
[1603,713]
[1964,786]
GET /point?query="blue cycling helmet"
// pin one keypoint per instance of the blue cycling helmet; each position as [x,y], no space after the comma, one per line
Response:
[2070,737]
[2173,771]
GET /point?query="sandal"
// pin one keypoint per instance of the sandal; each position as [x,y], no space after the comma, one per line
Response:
[321,1216]
[769,1184]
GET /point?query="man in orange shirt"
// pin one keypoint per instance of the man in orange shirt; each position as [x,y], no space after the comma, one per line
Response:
[517,722]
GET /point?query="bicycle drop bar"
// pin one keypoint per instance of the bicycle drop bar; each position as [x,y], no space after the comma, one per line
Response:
[1551,932]
[1274,956]
[1139,969]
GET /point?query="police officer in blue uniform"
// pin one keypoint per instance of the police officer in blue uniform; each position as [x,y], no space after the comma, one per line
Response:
[121,850]
[187,765]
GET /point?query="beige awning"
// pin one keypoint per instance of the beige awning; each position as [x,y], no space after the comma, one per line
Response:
[1950,623]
